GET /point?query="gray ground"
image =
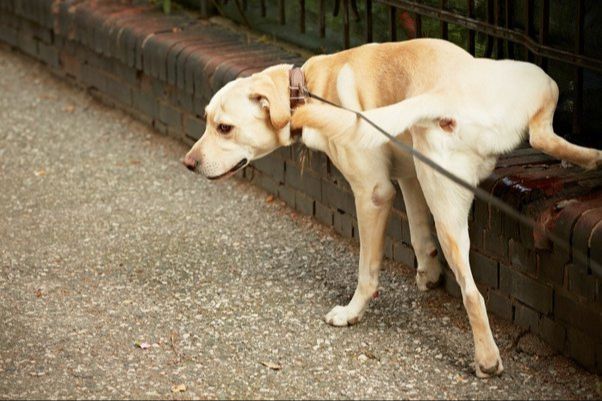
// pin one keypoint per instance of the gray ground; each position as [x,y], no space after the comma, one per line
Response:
[106,242]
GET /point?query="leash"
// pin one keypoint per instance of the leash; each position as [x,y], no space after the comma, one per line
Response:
[478,192]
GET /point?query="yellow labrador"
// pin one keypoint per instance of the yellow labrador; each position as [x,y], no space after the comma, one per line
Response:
[459,110]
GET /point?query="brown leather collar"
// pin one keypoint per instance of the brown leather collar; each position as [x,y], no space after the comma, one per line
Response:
[297,94]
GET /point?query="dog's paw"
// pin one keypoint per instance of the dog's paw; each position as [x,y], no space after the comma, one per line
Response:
[489,366]
[342,316]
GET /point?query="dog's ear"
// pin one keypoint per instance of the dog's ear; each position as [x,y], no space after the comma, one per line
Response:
[264,91]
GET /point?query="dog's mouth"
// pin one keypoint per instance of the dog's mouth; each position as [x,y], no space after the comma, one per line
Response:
[232,171]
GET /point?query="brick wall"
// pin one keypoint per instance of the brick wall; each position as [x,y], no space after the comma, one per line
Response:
[164,69]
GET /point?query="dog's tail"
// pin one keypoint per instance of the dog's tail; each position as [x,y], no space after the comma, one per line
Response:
[346,127]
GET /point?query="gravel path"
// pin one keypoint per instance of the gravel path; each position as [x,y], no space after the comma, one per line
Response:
[122,275]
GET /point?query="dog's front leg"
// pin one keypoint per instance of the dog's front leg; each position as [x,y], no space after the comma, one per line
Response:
[373,203]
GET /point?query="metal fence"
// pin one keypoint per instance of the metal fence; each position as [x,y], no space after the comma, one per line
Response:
[564,37]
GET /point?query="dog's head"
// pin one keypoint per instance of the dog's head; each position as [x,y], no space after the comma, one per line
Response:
[245,120]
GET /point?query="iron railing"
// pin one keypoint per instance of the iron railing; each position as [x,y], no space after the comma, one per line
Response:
[563,37]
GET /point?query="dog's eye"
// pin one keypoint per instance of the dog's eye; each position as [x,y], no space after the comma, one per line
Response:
[224,128]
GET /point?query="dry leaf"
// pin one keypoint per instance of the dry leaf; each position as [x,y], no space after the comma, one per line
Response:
[142,345]
[178,388]
[271,365]
[38,293]
[40,173]
[69,108]
[270,199]
[135,162]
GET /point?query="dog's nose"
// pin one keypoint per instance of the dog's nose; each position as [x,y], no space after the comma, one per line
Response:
[190,163]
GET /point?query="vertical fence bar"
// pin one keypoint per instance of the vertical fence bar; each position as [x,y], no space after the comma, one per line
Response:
[471,33]
[543,31]
[443,24]
[281,12]
[509,25]
[529,4]
[322,19]
[346,39]
[369,21]
[578,109]
[393,23]
[499,51]
[489,45]
[418,19]
[263,9]
[302,16]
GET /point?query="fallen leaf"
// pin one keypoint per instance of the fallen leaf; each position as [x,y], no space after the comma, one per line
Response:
[69,108]
[142,345]
[269,199]
[178,388]
[38,293]
[40,173]
[135,162]
[271,365]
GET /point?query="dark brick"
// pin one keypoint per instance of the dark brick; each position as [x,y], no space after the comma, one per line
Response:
[388,248]
[551,265]
[522,258]
[193,126]
[9,35]
[581,347]
[336,197]
[581,283]
[123,72]
[306,182]
[343,224]
[394,226]
[265,182]
[93,78]
[119,90]
[582,233]
[406,236]
[581,315]
[450,283]
[484,269]
[553,333]
[500,305]
[526,317]
[170,115]
[404,254]
[595,250]
[324,214]
[304,203]
[159,126]
[287,195]
[28,44]
[71,64]
[317,162]
[271,166]
[495,244]
[48,54]
[145,102]
[525,289]
[475,231]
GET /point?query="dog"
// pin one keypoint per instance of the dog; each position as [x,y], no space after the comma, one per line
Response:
[459,110]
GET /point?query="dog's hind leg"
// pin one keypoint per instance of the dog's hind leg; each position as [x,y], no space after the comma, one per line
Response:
[373,203]
[450,205]
[428,274]
[543,138]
